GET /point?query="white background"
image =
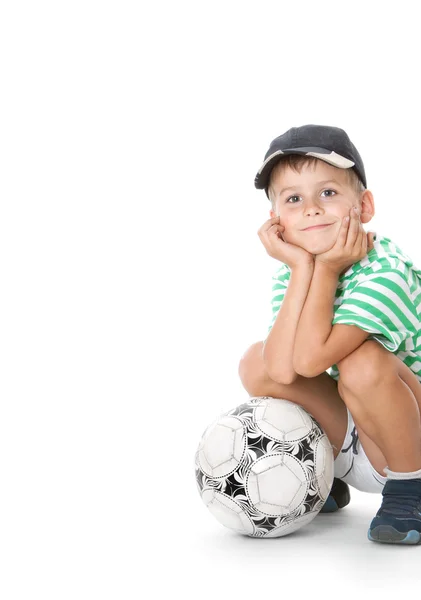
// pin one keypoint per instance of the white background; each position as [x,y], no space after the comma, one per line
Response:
[133,279]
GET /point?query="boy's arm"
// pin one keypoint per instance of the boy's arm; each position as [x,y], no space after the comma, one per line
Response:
[318,345]
[278,349]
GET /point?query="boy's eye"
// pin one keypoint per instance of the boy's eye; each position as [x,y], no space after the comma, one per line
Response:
[328,190]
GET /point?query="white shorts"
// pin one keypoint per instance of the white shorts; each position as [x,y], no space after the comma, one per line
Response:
[352,465]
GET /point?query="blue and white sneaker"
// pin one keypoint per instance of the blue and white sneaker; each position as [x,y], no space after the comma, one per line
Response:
[398,520]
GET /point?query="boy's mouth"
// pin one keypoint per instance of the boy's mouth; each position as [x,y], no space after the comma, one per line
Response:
[318,227]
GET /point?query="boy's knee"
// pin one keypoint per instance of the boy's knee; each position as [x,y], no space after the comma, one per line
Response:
[365,366]
[251,368]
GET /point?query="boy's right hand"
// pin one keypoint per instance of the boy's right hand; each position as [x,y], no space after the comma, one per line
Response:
[270,234]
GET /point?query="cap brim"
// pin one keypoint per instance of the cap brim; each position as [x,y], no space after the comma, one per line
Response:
[261,180]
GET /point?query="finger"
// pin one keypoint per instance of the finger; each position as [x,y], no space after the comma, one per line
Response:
[343,232]
[271,220]
[360,245]
[363,236]
[354,228]
[355,220]
[274,230]
[269,223]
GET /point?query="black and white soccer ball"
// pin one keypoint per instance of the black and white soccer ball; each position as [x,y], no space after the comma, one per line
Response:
[265,468]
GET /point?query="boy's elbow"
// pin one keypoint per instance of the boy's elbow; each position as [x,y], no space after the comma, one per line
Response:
[275,373]
[288,379]
[306,370]
[302,366]
[282,378]
[278,376]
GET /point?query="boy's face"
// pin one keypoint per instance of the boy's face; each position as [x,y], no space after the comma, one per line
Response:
[320,194]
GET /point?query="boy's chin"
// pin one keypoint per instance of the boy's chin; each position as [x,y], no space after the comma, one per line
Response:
[316,249]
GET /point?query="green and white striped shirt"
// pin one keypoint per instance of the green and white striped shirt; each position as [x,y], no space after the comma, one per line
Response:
[381,294]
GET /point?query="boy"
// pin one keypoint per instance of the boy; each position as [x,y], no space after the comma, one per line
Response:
[346,301]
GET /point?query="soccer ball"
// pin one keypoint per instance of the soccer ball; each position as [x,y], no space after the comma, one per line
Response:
[265,468]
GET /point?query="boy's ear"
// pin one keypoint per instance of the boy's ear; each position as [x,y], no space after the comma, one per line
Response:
[367,206]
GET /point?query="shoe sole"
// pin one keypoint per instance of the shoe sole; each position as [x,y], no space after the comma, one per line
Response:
[389,535]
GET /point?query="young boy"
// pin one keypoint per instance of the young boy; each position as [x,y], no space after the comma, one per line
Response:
[346,301]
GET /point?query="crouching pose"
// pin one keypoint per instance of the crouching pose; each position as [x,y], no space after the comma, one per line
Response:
[346,301]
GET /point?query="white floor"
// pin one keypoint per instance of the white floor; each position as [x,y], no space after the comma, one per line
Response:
[329,558]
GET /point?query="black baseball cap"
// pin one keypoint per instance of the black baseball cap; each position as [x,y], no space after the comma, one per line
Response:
[330,144]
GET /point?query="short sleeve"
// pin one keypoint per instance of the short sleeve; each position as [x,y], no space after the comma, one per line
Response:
[382,305]
[279,287]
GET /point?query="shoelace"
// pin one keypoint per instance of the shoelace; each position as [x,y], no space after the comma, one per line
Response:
[402,504]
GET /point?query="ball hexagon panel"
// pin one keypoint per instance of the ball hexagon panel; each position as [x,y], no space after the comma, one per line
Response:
[276,484]
[283,420]
[222,447]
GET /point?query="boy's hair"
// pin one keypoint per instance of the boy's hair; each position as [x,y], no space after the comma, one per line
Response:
[297,161]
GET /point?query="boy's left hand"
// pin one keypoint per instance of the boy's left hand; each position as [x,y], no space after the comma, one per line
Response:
[351,245]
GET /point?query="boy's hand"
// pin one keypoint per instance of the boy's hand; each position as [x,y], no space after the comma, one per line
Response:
[270,234]
[351,245]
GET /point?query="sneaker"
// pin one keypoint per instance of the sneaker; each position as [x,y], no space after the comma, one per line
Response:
[398,520]
[338,498]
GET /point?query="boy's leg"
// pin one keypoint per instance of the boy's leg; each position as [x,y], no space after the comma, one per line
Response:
[317,395]
[384,397]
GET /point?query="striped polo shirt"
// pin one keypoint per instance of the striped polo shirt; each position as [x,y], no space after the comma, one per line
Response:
[381,294]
